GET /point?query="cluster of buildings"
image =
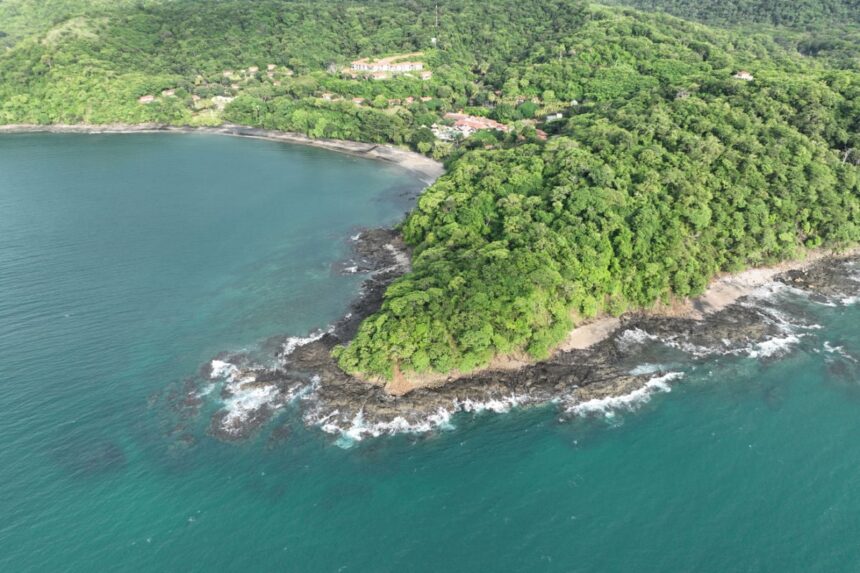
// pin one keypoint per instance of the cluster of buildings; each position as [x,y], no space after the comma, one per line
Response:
[237,77]
[254,70]
[148,99]
[366,65]
[328,96]
[409,100]
[240,77]
[463,125]
[384,68]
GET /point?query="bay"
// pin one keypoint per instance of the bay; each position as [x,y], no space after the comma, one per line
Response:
[127,262]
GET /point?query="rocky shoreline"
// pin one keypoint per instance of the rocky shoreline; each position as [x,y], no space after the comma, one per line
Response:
[606,364]
[619,368]
[428,170]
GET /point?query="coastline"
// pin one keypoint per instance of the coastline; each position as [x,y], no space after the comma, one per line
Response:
[426,168]
[607,364]
[724,291]
[590,370]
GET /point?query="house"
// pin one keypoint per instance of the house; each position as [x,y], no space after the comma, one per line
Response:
[446,132]
[147,99]
[475,122]
[744,75]
[385,65]
[220,102]
[554,117]
[465,125]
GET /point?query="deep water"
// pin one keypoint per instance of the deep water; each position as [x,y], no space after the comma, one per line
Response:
[127,262]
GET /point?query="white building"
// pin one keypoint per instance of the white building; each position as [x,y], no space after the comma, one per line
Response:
[384,66]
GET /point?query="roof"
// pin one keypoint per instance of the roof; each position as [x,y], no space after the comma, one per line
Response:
[475,122]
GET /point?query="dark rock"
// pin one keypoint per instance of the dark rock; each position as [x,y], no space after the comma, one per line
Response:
[94,459]
[231,428]
[827,278]
[280,434]
[601,371]
[374,250]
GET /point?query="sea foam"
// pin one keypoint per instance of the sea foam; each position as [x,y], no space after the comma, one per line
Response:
[498,405]
[771,347]
[222,369]
[610,404]
[358,428]
[293,342]
[245,401]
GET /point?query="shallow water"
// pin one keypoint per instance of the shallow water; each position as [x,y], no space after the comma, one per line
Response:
[126,262]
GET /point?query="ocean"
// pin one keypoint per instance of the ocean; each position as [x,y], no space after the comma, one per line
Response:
[127,262]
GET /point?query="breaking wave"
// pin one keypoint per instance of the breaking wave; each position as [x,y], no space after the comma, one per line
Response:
[294,342]
[610,404]
[778,329]
[243,396]
[358,429]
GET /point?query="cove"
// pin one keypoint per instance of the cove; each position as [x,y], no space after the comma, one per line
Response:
[126,262]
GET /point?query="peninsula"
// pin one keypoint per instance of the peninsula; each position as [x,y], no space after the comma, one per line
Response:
[599,160]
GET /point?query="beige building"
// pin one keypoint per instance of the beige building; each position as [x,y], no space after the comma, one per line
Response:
[384,67]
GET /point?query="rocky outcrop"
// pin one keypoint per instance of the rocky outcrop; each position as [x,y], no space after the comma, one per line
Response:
[602,373]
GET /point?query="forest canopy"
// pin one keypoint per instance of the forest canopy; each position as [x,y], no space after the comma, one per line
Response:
[676,150]
[792,13]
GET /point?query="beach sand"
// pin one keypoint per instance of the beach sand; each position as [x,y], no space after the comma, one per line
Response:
[724,290]
[426,168]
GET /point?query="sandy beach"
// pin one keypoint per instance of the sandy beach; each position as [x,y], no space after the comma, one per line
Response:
[725,290]
[427,169]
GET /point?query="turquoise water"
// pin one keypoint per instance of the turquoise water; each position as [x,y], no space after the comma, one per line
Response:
[126,262]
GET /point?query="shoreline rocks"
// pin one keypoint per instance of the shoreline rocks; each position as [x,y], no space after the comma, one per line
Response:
[577,379]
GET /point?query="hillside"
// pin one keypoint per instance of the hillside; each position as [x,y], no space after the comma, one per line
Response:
[817,28]
[679,150]
[672,172]
[22,18]
[792,13]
